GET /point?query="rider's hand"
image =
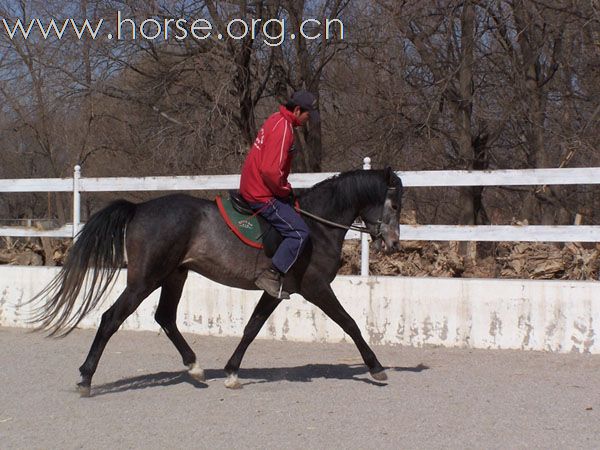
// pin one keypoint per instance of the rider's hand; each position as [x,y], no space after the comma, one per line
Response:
[291,198]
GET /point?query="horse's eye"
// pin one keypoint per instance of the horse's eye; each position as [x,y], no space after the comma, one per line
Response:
[395,207]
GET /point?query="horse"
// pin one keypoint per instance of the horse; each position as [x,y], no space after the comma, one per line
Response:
[162,239]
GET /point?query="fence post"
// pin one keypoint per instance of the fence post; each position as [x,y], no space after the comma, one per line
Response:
[76,200]
[364,238]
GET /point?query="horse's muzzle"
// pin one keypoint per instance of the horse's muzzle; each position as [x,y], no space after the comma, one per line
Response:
[392,247]
[387,245]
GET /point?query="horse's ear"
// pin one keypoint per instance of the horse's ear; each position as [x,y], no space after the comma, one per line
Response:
[389,175]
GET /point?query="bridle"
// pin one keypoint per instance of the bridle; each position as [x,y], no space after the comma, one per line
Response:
[374,234]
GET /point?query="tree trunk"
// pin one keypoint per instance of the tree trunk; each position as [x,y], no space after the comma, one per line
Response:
[307,79]
[242,83]
[464,110]
[536,206]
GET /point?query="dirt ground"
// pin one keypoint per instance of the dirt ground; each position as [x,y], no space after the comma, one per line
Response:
[295,395]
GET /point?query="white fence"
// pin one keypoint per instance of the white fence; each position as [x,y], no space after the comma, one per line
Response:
[453,178]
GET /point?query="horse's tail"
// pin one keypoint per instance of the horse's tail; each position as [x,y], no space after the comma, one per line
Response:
[100,246]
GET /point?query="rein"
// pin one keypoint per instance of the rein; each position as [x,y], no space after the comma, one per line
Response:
[360,229]
[339,225]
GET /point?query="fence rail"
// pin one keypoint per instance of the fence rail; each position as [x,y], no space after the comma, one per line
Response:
[489,233]
[429,178]
[66,231]
[448,178]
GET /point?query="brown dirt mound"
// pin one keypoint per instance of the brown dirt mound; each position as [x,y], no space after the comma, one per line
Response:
[416,259]
[508,260]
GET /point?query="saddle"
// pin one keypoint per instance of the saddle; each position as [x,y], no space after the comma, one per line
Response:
[249,226]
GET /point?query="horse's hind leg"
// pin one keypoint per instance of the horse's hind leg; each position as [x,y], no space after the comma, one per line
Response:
[112,319]
[263,310]
[166,316]
[326,300]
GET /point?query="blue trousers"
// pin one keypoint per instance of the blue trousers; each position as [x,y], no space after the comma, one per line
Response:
[292,228]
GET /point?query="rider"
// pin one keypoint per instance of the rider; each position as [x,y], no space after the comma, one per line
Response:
[265,187]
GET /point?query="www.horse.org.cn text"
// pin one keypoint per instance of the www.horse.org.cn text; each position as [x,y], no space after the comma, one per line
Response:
[272,32]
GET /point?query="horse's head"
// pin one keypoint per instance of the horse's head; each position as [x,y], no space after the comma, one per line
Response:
[383,220]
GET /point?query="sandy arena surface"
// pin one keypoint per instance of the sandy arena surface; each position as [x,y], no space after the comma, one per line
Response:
[295,395]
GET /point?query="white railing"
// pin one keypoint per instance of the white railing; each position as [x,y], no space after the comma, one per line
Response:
[452,178]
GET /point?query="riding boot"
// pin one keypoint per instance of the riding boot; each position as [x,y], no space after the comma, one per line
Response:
[271,281]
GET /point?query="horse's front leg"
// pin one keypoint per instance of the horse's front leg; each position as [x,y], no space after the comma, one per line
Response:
[265,307]
[324,298]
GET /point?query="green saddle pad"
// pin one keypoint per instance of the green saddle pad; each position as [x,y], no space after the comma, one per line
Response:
[245,227]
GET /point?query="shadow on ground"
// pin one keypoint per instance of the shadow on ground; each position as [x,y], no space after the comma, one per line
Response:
[304,374]
[147,381]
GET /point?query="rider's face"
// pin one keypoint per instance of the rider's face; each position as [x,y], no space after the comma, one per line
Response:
[301,116]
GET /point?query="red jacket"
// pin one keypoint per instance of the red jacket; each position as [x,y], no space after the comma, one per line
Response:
[267,166]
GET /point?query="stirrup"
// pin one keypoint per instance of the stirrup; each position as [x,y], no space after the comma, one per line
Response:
[273,287]
[283,295]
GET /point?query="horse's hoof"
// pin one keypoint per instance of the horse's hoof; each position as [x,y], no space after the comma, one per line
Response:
[379,376]
[84,390]
[196,372]
[232,382]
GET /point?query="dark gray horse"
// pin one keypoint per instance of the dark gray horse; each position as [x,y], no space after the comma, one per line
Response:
[166,237]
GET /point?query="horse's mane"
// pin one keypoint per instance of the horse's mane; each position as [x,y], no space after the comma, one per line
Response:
[351,189]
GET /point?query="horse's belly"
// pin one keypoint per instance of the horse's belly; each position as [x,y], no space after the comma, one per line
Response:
[227,262]
[223,276]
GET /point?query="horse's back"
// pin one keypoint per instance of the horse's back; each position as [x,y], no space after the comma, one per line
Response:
[175,210]
[162,228]
[176,202]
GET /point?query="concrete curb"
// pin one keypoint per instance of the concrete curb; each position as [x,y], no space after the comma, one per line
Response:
[557,316]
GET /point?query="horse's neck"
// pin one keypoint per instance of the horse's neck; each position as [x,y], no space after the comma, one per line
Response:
[333,234]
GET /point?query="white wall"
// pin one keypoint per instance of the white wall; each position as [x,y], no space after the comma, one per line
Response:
[559,316]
